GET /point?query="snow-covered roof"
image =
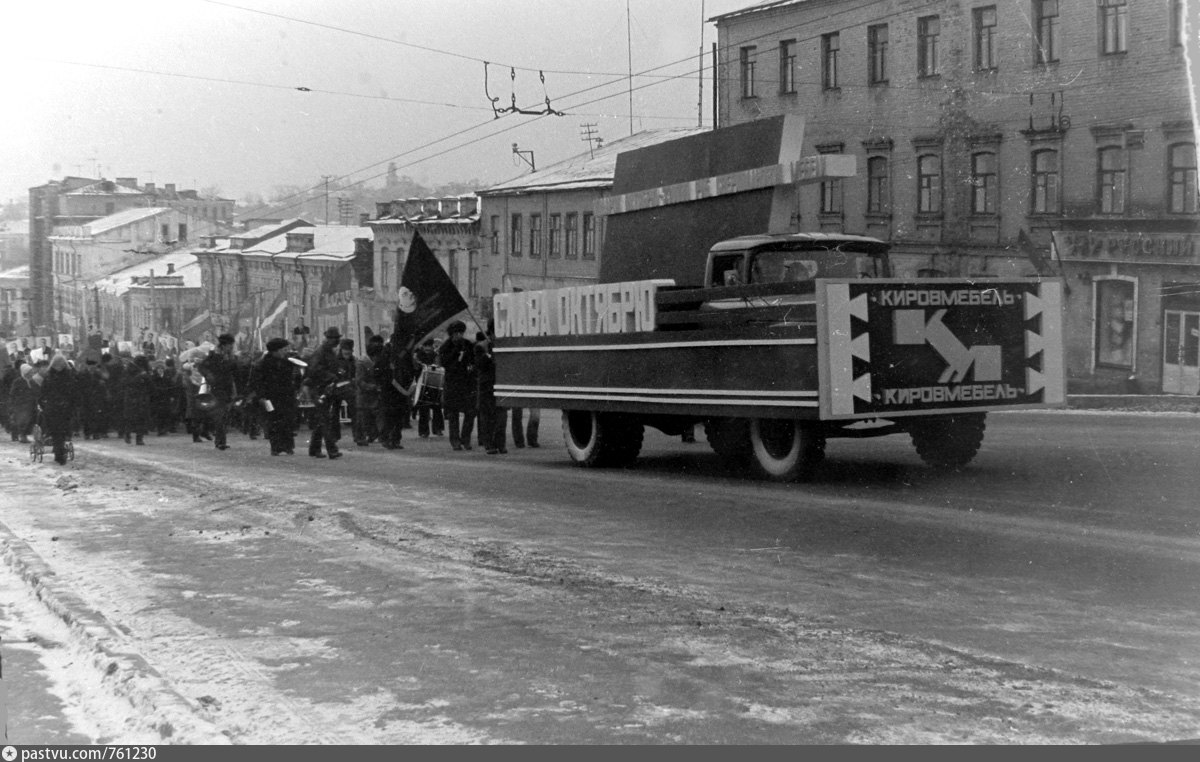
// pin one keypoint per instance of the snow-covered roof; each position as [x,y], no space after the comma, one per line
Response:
[111,222]
[587,170]
[105,188]
[330,242]
[762,5]
[183,263]
[16,273]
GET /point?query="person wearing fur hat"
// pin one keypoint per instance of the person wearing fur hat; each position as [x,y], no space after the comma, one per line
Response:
[136,395]
[329,378]
[220,369]
[457,358]
[274,387]
[59,396]
[22,404]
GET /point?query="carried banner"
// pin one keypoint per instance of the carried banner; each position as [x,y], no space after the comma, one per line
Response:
[427,296]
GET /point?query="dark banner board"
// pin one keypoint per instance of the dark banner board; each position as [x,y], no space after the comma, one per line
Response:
[672,241]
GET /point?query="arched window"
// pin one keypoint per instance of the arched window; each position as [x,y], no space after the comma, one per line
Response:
[1044,198]
[985,183]
[929,183]
[1183,178]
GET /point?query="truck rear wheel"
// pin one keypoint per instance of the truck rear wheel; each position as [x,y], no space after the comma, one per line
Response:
[601,439]
[949,441]
[730,439]
[785,450]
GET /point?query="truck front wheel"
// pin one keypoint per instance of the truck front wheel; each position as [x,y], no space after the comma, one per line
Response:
[949,441]
[785,450]
[601,439]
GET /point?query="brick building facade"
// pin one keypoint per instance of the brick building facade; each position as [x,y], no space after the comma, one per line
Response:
[987,132]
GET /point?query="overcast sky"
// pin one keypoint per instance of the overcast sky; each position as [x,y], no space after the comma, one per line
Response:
[203,93]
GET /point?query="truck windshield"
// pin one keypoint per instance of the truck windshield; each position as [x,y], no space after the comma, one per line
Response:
[784,266]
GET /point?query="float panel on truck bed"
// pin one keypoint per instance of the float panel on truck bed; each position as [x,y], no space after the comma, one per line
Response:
[911,347]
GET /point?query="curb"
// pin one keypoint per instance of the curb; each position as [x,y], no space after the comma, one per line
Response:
[161,709]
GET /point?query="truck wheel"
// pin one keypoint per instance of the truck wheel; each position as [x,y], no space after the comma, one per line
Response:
[785,450]
[601,439]
[949,441]
[730,439]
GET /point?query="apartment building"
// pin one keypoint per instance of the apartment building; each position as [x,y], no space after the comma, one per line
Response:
[1011,137]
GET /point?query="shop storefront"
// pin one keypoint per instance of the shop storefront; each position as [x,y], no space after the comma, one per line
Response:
[1133,309]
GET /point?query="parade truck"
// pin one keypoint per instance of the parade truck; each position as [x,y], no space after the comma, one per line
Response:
[773,341]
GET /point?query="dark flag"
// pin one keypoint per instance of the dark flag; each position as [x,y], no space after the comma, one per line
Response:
[427,296]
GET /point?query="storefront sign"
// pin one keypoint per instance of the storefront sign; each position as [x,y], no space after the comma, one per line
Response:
[1136,248]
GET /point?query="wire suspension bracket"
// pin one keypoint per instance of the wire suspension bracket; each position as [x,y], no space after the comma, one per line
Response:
[498,111]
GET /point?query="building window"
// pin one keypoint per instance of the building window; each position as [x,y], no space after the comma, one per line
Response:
[878,199]
[1045,182]
[572,251]
[877,45]
[472,274]
[1183,178]
[1046,30]
[385,275]
[514,236]
[589,235]
[1110,180]
[928,30]
[535,235]
[495,234]
[985,38]
[748,64]
[787,67]
[1114,24]
[984,183]
[166,232]
[929,184]
[830,44]
[555,236]
[831,192]
[1116,316]
[183,231]
[1176,23]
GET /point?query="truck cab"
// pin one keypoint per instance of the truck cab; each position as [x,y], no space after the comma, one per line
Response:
[795,257]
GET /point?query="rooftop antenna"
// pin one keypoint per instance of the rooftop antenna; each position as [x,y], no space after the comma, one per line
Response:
[591,137]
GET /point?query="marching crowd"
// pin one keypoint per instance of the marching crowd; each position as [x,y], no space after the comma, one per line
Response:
[211,391]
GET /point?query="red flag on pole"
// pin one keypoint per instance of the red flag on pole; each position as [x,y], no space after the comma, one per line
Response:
[427,297]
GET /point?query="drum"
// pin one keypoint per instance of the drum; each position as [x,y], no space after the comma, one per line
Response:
[429,386]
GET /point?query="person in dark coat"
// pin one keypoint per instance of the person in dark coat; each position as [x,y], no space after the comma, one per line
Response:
[92,381]
[58,400]
[11,373]
[273,386]
[220,370]
[457,357]
[395,373]
[22,404]
[330,376]
[137,392]
[162,397]
[366,395]
[492,418]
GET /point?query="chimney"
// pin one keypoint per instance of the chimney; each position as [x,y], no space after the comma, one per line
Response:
[170,268]
[148,187]
[429,207]
[127,182]
[467,204]
[169,188]
[412,207]
[363,218]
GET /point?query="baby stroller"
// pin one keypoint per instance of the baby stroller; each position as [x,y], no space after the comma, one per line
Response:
[39,441]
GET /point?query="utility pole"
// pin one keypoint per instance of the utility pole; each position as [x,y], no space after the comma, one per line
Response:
[327,178]
[700,66]
[629,50]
